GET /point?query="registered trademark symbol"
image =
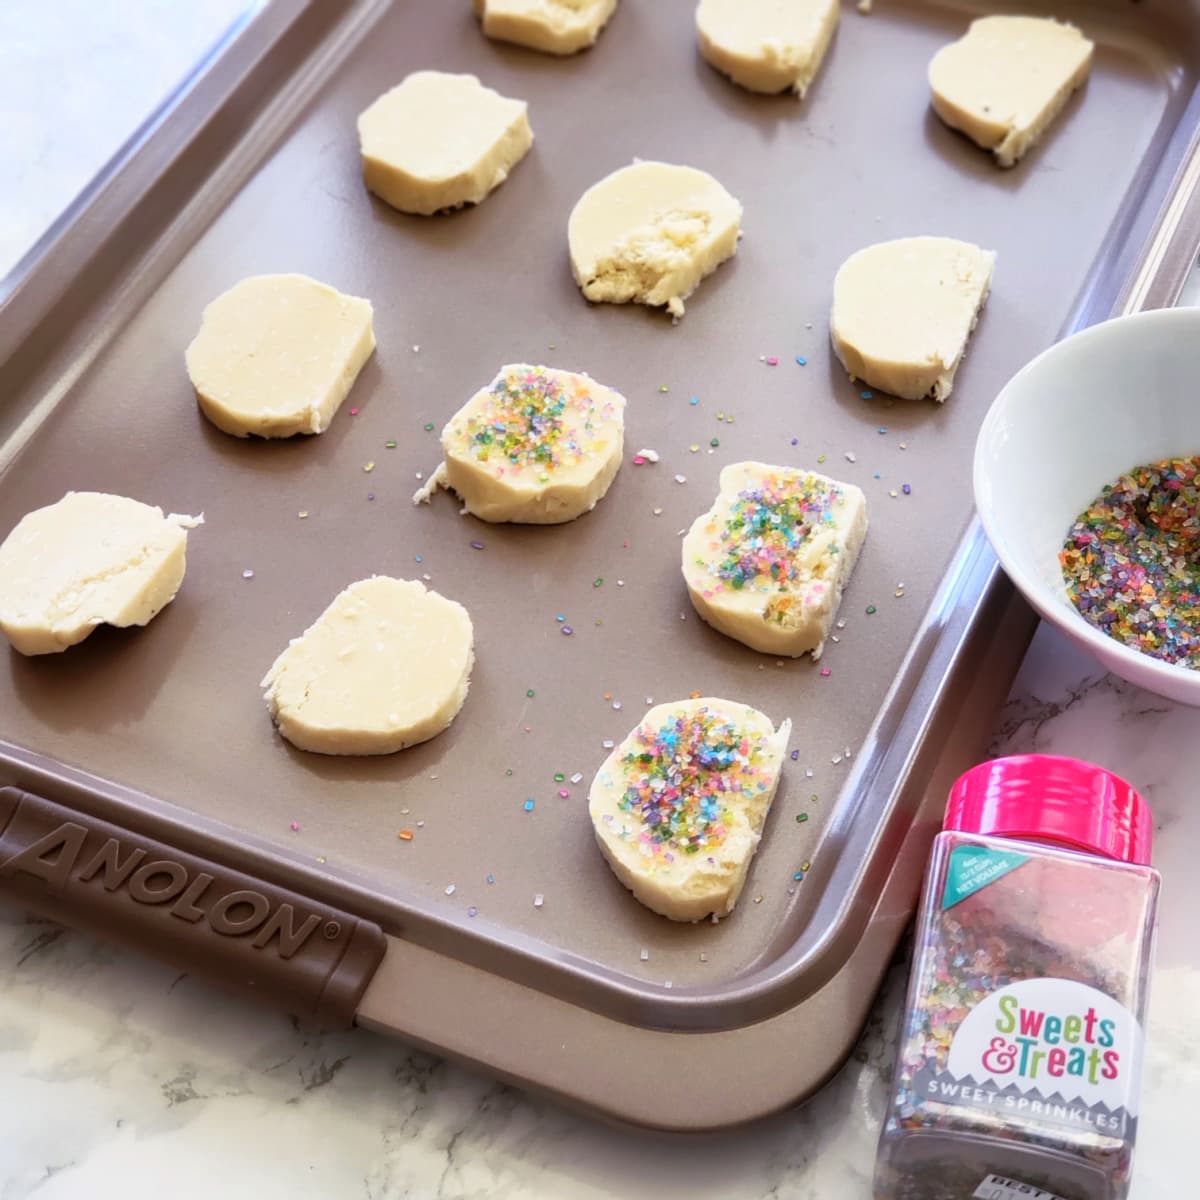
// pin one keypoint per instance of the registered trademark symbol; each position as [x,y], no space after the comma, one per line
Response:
[333,930]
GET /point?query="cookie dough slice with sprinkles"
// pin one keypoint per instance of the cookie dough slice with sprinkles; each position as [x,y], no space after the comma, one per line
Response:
[767,564]
[678,807]
[537,446]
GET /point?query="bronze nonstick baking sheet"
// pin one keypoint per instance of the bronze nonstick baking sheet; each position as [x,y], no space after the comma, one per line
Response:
[171,718]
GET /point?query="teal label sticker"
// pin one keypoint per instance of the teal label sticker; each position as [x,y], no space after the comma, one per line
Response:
[974,867]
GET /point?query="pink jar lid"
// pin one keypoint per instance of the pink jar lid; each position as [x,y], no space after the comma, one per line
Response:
[1047,798]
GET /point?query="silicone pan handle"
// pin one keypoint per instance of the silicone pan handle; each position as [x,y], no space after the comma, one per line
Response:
[261,940]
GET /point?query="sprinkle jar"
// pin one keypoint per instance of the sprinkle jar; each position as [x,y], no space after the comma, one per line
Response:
[1019,1060]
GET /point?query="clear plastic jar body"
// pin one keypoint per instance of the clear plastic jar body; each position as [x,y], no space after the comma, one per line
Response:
[1019,1059]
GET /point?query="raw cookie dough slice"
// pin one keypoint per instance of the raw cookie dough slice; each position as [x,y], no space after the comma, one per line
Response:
[903,310]
[768,562]
[277,354]
[552,26]
[385,666]
[678,807]
[1006,79]
[439,141]
[537,445]
[650,232]
[767,45]
[91,559]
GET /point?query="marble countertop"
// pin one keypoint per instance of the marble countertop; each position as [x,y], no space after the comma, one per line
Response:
[120,1077]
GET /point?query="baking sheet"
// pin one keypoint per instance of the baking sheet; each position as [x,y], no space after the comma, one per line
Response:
[174,711]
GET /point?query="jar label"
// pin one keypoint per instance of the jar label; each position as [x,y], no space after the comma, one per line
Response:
[973,867]
[1048,1050]
[999,1187]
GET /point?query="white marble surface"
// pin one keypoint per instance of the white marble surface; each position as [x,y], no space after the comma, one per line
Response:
[119,1077]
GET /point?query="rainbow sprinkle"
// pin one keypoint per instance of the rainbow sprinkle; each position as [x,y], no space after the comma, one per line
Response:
[1130,565]
[680,775]
[531,418]
[757,544]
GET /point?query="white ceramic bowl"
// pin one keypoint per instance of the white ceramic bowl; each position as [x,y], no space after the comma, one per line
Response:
[1089,409]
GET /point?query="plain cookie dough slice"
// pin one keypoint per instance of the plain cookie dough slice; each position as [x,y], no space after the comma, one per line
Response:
[678,807]
[1007,78]
[537,446]
[767,45]
[650,232]
[903,310]
[439,141]
[385,666]
[91,559]
[552,26]
[767,564]
[277,354]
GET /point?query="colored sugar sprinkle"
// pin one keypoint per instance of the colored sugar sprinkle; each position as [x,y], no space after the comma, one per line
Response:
[303,514]
[577,777]
[559,777]
[428,426]
[370,495]
[715,442]
[561,618]
[450,889]
[871,610]
[820,458]
[529,692]
[368,467]
[866,395]
[564,794]
[533,420]
[644,955]
[826,672]
[566,629]
[883,429]
[529,805]
[476,545]
[766,527]
[247,574]
[1130,563]
[802,360]
[295,828]
[538,900]
[662,387]
[598,581]
[795,756]
[906,489]
[608,743]
[389,445]
[694,400]
[771,360]
[801,818]
[680,775]
[354,412]
[472,911]
[405,835]
[491,878]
